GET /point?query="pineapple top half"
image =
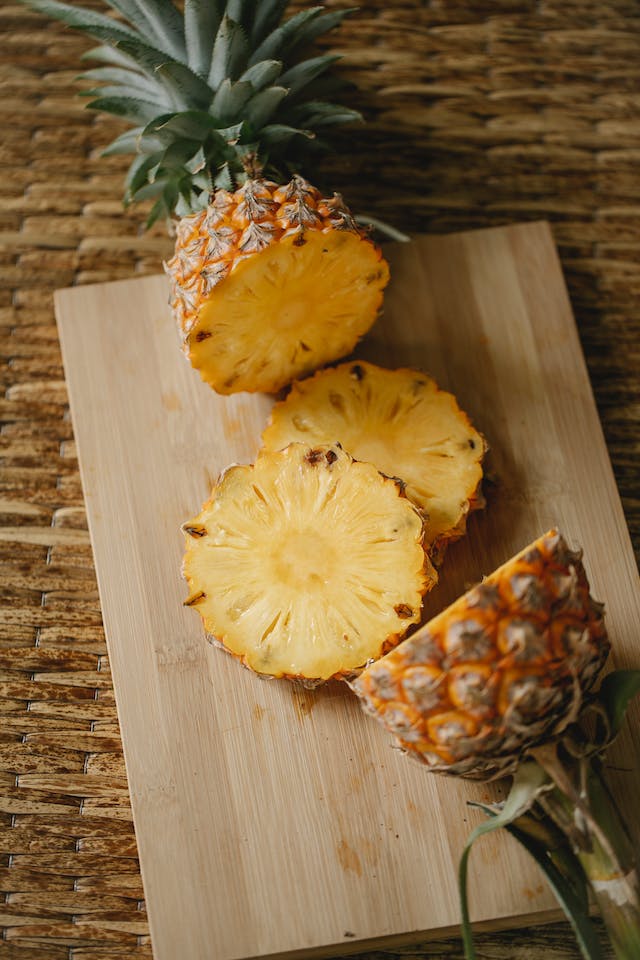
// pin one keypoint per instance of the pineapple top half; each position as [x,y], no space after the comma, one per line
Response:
[269,279]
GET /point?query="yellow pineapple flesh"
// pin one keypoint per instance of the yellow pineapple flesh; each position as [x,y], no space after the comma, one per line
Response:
[503,668]
[400,421]
[307,564]
[271,282]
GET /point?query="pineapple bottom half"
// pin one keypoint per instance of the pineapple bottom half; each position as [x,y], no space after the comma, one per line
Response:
[307,564]
[504,667]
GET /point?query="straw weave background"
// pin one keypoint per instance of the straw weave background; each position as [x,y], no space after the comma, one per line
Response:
[480,113]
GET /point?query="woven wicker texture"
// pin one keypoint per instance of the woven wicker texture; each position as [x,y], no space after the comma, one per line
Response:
[480,113]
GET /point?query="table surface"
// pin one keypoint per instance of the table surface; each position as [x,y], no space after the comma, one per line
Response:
[480,113]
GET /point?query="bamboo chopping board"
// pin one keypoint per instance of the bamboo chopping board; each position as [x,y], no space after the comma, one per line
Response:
[273,820]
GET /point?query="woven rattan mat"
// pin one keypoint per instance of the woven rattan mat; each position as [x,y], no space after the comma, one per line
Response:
[480,114]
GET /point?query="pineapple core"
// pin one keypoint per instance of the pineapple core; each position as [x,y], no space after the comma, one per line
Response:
[400,421]
[306,564]
[286,310]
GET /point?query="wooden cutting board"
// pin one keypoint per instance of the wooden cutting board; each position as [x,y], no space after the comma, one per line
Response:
[273,820]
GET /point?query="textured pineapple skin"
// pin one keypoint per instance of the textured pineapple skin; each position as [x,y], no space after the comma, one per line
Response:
[307,564]
[235,229]
[401,421]
[503,668]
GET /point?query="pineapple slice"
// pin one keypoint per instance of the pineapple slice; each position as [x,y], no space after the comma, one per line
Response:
[400,421]
[307,564]
[503,668]
[269,283]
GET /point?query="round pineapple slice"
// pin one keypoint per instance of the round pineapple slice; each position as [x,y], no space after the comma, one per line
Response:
[271,282]
[400,421]
[502,669]
[307,564]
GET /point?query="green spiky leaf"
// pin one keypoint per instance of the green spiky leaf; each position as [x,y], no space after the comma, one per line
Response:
[156,19]
[324,89]
[277,43]
[119,93]
[124,78]
[178,155]
[234,133]
[186,87]
[564,873]
[275,133]
[201,22]
[230,100]
[269,13]
[159,211]
[148,191]
[262,74]
[223,179]
[166,25]
[141,172]
[263,105]
[189,124]
[316,26]
[148,58]
[317,113]
[114,56]
[527,783]
[230,52]
[129,108]
[207,89]
[616,692]
[297,78]
[96,24]
[127,142]
[241,11]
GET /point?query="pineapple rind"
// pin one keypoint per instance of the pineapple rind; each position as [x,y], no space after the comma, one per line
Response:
[503,668]
[306,564]
[403,423]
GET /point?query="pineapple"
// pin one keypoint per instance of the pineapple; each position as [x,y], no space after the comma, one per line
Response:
[270,279]
[301,284]
[400,421]
[307,564]
[503,668]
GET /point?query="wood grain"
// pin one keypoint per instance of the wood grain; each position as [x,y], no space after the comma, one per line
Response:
[271,819]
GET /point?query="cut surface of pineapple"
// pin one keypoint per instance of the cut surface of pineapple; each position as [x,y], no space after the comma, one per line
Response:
[502,669]
[286,311]
[270,283]
[307,564]
[400,421]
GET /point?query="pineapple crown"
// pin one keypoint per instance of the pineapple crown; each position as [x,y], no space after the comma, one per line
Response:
[216,95]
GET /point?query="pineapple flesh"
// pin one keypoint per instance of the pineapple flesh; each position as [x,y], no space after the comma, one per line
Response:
[400,421]
[271,282]
[503,668]
[307,564]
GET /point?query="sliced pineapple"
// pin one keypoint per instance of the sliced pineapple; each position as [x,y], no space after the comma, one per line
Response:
[400,421]
[503,668]
[269,279]
[306,564]
[269,283]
